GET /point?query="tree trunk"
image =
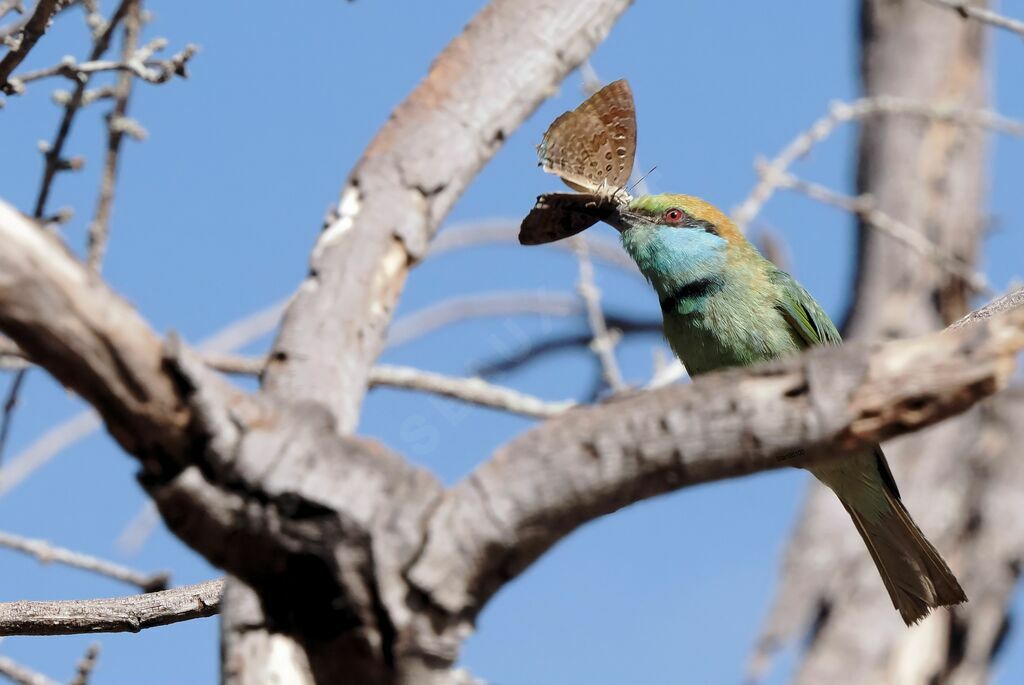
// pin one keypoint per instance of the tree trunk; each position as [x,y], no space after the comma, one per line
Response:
[929,175]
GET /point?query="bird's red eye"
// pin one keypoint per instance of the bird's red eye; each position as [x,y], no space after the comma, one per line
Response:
[672,216]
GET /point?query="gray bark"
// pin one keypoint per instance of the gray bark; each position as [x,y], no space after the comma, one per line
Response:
[360,566]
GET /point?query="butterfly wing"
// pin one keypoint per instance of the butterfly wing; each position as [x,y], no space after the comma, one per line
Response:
[592,147]
[560,215]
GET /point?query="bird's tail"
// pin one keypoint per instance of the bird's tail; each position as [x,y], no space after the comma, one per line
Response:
[916,576]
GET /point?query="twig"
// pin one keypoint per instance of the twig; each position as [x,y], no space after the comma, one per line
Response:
[9,404]
[114,615]
[842,112]
[865,207]
[11,6]
[54,158]
[22,675]
[603,341]
[47,553]
[472,390]
[154,71]
[34,28]
[86,665]
[541,348]
[235,335]
[983,14]
[99,229]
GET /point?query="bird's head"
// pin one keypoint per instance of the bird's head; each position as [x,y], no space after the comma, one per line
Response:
[676,239]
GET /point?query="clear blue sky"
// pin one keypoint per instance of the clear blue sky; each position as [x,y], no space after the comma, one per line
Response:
[215,217]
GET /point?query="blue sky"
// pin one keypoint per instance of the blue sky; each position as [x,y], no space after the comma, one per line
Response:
[216,214]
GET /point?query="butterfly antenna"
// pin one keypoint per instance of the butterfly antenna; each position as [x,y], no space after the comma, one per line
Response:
[641,179]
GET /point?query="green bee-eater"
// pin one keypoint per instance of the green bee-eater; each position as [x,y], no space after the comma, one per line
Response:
[725,305]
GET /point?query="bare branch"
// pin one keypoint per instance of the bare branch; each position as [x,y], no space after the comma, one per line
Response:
[361,259]
[54,153]
[7,6]
[86,665]
[22,675]
[603,341]
[983,14]
[153,71]
[8,409]
[99,229]
[472,390]
[115,615]
[47,553]
[592,461]
[33,30]
[842,112]
[58,438]
[865,207]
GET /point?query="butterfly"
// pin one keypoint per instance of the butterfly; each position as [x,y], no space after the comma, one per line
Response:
[591,149]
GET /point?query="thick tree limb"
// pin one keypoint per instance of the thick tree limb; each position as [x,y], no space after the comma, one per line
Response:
[592,461]
[115,615]
[484,84]
[329,528]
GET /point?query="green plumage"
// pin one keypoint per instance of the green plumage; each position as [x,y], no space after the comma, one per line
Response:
[725,305]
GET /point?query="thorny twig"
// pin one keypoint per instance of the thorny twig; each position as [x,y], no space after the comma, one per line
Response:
[47,554]
[842,112]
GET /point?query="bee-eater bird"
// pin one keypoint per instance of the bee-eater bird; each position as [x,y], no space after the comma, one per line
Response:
[725,305]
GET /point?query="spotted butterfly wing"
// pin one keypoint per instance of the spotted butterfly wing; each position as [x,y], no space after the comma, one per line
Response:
[560,215]
[592,147]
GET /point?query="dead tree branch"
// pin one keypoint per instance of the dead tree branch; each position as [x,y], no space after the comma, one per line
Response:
[983,14]
[21,675]
[161,402]
[115,615]
[603,340]
[32,31]
[867,209]
[592,461]
[47,553]
[842,112]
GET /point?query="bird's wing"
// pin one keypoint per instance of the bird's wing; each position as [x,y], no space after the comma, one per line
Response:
[805,316]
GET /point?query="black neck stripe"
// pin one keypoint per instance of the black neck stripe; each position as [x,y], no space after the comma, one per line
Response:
[690,291]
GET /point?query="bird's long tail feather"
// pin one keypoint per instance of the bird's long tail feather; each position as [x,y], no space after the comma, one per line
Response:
[916,576]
